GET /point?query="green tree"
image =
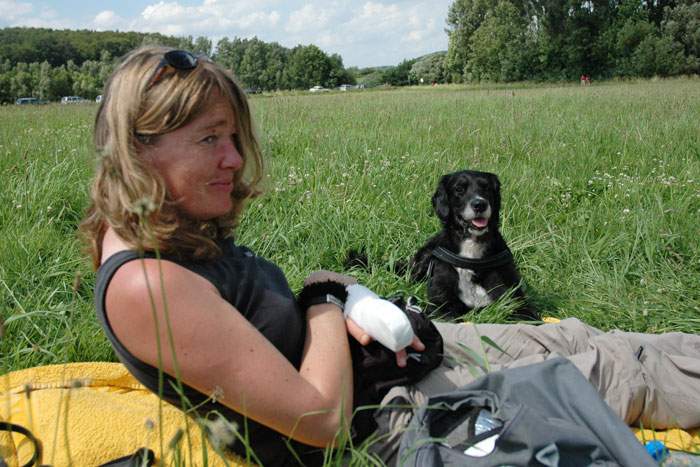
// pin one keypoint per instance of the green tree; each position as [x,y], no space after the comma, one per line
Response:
[308,66]
[44,81]
[6,95]
[338,74]
[429,69]
[629,36]
[398,75]
[463,18]
[253,64]
[202,46]
[229,53]
[499,49]
[185,43]
[273,75]
[22,84]
[682,24]
[658,56]
[61,83]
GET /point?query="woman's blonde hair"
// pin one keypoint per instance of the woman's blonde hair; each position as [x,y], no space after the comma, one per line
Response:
[127,194]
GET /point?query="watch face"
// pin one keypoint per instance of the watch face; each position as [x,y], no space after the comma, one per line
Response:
[327,298]
[334,300]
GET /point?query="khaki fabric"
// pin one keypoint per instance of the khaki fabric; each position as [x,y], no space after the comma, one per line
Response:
[649,380]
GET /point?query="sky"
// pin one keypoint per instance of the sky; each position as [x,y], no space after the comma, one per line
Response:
[364,32]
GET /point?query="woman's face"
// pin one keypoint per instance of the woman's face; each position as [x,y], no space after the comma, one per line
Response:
[198,161]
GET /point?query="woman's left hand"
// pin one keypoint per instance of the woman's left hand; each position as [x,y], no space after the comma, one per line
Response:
[363,338]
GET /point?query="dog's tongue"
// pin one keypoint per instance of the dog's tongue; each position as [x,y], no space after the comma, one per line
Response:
[480,222]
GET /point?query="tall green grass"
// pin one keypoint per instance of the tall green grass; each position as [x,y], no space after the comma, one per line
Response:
[601,200]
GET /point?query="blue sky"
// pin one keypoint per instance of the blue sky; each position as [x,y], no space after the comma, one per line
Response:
[364,33]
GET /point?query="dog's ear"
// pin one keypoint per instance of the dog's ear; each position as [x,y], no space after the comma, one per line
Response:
[496,208]
[441,201]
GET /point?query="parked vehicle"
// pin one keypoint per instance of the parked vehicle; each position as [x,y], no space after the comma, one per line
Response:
[252,90]
[318,89]
[98,99]
[71,100]
[30,101]
[346,87]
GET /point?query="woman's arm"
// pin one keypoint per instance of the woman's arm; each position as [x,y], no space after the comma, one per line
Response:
[219,350]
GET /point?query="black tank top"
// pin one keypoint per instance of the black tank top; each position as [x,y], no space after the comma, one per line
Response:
[259,290]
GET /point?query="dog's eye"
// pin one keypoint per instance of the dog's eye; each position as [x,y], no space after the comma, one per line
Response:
[459,189]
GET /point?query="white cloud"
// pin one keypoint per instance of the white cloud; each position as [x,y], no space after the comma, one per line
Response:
[106,20]
[308,18]
[10,10]
[210,18]
[363,32]
[14,13]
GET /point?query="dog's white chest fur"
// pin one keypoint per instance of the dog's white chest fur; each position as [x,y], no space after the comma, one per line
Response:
[473,295]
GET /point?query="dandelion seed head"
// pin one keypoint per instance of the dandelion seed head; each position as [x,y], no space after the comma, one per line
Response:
[221,432]
[143,207]
[217,394]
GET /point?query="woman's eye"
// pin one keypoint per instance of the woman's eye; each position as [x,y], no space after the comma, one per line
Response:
[209,139]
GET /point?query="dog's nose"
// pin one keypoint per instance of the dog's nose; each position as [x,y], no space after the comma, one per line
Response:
[479,205]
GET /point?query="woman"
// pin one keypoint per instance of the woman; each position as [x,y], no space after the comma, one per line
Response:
[178,159]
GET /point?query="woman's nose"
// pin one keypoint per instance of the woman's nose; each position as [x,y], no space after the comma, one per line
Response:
[232,158]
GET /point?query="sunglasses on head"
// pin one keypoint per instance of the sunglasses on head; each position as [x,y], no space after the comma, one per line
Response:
[173,61]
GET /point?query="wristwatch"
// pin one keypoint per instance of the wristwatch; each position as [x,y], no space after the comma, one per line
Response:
[322,292]
[325,298]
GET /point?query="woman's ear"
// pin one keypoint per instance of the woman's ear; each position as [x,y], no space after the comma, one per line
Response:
[441,201]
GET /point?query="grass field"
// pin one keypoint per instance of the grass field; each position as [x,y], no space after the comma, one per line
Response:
[601,200]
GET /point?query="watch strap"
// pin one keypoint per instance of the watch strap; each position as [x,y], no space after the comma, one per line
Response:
[319,292]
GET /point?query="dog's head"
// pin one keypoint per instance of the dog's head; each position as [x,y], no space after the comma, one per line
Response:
[470,200]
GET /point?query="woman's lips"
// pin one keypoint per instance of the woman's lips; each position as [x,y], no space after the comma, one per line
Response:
[223,185]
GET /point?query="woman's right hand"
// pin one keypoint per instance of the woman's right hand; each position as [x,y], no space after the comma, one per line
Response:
[363,338]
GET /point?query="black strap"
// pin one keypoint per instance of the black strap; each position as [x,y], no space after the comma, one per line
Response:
[490,262]
[142,457]
[12,428]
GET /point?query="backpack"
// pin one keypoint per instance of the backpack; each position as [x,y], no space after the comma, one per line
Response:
[541,414]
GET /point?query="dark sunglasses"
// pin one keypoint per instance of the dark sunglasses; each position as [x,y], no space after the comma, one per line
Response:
[172,61]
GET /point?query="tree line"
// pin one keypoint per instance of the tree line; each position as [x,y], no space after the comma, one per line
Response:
[513,40]
[49,64]
[504,40]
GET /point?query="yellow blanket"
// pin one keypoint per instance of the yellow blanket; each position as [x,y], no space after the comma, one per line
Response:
[86,414]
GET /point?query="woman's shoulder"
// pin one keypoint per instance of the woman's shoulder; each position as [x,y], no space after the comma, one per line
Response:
[134,273]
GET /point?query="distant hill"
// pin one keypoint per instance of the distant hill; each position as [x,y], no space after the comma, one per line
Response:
[57,47]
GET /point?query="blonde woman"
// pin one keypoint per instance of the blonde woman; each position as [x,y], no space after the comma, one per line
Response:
[178,158]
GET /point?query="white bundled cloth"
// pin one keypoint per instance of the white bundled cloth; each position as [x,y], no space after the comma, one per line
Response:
[381,319]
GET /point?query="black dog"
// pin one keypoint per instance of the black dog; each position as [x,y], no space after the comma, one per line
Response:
[468,264]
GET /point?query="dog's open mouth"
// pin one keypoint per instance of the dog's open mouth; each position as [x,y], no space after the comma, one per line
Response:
[479,223]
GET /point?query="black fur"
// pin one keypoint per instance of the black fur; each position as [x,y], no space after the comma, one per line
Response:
[459,198]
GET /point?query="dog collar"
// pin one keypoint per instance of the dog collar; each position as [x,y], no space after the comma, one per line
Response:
[491,262]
